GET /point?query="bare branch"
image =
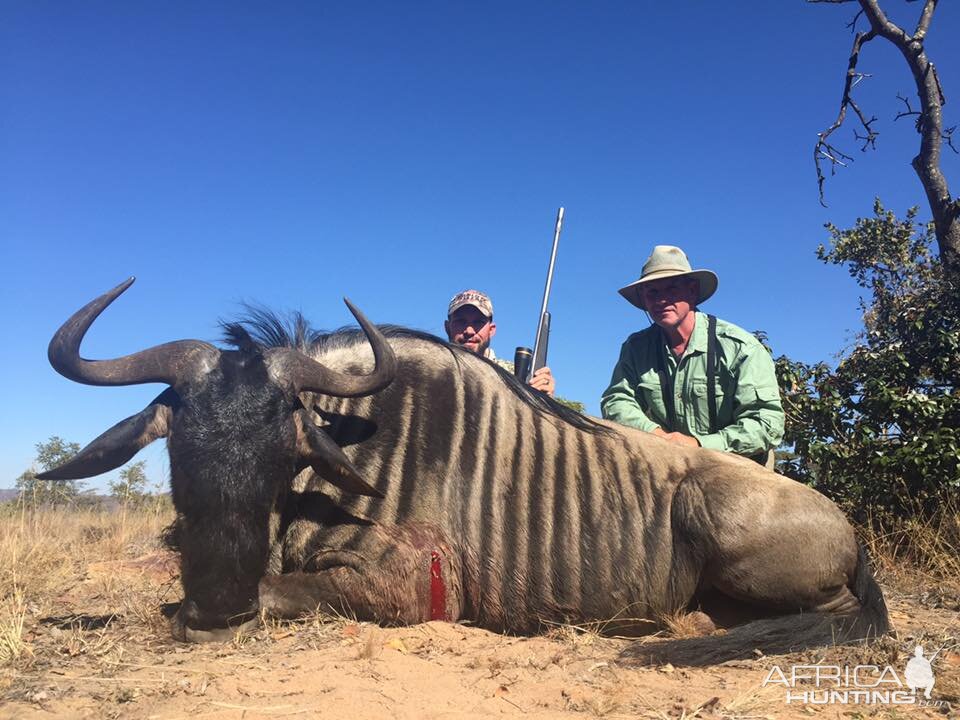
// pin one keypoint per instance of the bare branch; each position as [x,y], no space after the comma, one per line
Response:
[852,25]
[925,17]
[870,139]
[823,150]
[881,24]
[929,121]
[836,157]
[909,111]
[947,136]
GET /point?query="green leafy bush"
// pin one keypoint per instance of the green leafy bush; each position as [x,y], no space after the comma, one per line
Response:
[881,430]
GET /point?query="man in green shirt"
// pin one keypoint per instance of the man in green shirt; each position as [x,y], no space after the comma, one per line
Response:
[660,383]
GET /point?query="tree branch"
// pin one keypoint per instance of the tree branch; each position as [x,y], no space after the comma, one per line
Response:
[944,208]
[925,17]
[823,150]
[909,112]
[948,138]
[881,24]
[852,25]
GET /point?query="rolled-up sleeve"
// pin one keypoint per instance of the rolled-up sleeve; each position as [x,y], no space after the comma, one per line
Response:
[619,401]
[757,411]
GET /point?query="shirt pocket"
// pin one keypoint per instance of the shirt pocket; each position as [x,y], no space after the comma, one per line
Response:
[701,404]
[763,396]
[650,397]
[768,396]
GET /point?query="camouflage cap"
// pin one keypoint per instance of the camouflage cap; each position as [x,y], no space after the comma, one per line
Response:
[471,297]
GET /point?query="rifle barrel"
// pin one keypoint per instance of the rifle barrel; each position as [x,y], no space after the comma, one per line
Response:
[537,353]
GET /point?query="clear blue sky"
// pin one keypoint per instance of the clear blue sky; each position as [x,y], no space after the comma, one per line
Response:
[294,153]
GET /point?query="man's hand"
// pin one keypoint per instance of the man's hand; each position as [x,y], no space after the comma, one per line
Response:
[543,381]
[678,438]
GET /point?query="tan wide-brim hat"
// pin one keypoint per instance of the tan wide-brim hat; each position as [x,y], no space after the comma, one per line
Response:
[669,261]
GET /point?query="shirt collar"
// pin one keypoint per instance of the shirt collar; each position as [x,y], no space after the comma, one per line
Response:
[698,341]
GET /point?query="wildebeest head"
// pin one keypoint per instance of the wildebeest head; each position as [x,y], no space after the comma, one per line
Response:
[236,433]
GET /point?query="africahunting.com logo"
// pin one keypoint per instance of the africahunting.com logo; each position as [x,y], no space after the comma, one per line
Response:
[858,684]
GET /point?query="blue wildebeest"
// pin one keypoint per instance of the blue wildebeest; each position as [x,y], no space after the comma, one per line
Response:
[395,477]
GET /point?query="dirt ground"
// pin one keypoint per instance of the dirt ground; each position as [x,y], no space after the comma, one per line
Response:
[104,652]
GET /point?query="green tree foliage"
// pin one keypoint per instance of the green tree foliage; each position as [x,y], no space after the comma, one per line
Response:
[50,454]
[131,488]
[575,405]
[882,429]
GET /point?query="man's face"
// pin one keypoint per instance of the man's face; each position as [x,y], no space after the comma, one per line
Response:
[670,300]
[470,328]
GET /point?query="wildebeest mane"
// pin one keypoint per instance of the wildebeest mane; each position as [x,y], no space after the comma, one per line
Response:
[260,327]
[263,328]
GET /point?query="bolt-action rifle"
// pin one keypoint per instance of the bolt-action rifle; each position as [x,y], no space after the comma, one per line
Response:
[527,361]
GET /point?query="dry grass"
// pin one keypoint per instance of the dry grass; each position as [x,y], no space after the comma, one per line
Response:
[682,624]
[44,552]
[76,607]
[13,612]
[924,545]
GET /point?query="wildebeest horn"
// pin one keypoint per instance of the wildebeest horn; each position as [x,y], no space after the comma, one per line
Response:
[121,442]
[171,363]
[327,459]
[306,374]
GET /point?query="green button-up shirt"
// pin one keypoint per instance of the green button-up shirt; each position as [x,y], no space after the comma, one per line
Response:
[749,413]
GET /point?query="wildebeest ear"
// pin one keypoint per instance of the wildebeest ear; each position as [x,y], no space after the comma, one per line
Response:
[120,443]
[327,459]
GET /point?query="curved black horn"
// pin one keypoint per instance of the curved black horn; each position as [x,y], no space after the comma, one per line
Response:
[305,373]
[170,363]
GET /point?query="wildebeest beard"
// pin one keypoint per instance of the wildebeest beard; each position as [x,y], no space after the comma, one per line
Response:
[435,468]
[232,449]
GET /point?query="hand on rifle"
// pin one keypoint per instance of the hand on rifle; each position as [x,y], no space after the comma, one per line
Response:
[676,437]
[543,381]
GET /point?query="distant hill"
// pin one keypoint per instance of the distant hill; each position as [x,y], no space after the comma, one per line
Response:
[106,501]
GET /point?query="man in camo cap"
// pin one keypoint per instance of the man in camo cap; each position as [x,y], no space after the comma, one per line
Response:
[470,324]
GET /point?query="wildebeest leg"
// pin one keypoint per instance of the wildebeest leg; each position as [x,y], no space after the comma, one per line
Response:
[392,575]
[773,546]
[769,545]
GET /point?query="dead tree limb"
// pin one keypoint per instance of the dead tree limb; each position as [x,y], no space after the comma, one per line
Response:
[929,124]
[823,150]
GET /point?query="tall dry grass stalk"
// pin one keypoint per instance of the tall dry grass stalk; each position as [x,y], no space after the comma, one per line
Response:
[13,612]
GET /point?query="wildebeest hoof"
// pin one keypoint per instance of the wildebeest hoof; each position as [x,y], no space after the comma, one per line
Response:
[182,632]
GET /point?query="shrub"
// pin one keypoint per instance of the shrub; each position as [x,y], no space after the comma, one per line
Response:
[881,430]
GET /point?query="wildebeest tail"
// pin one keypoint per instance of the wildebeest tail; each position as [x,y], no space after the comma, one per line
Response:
[772,636]
[872,618]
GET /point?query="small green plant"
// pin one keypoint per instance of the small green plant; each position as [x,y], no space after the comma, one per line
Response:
[131,488]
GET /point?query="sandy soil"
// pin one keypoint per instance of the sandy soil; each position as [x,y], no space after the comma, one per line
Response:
[105,652]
